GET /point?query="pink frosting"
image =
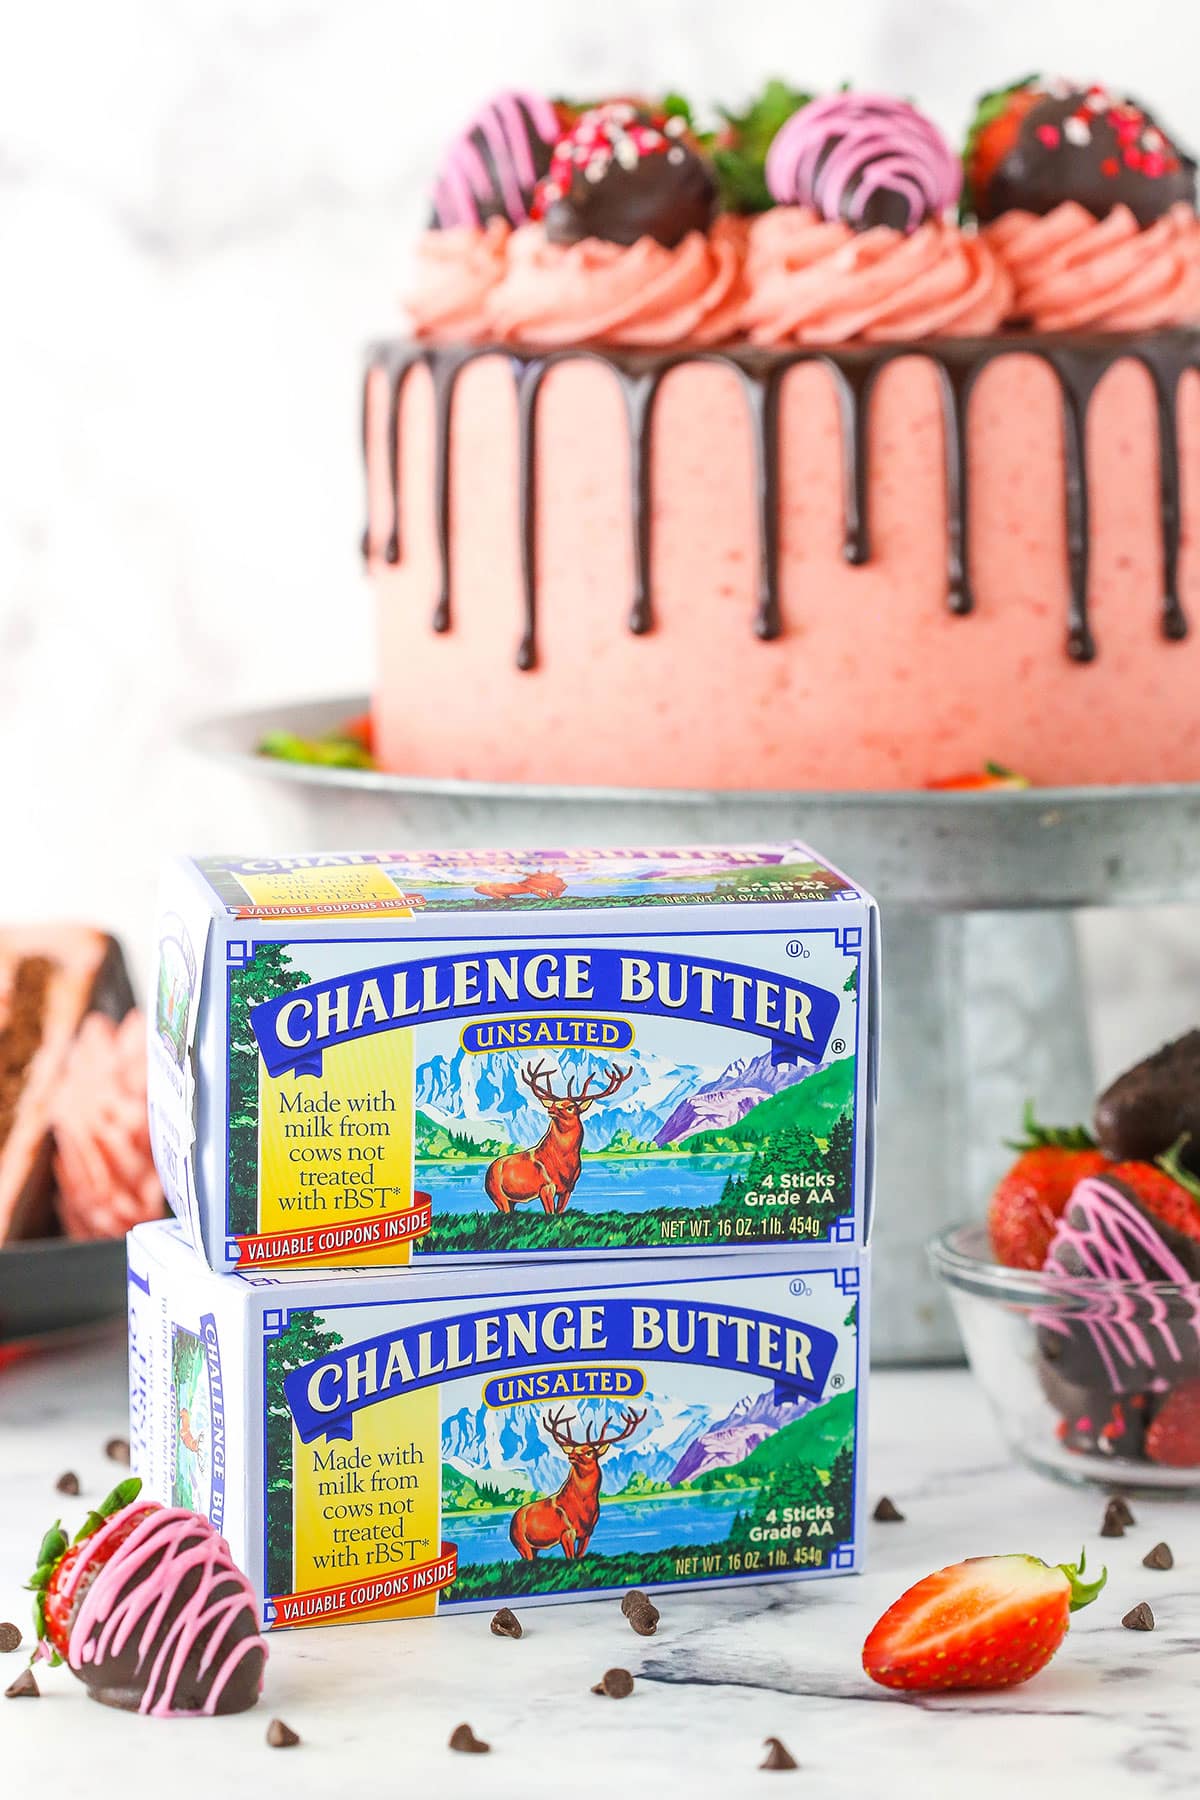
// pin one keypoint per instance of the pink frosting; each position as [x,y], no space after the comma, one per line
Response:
[1073,272]
[117,1607]
[814,281]
[456,271]
[103,1166]
[642,293]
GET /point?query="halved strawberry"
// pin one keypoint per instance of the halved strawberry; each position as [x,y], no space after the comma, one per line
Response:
[992,1621]
[59,1558]
[1030,1199]
[992,775]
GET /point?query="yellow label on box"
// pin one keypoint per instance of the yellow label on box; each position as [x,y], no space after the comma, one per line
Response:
[367,1514]
[363,890]
[336,1150]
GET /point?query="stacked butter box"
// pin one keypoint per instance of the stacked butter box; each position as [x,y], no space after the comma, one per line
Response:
[522,1208]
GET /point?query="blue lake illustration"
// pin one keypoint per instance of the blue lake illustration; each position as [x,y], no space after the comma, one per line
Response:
[620,1183]
[625,1525]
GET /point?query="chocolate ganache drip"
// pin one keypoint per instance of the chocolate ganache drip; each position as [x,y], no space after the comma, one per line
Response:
[1078,361]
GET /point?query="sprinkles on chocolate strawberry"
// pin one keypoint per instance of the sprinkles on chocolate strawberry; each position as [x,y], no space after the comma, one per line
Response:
[1042,144]
[148,1609]
[624,172]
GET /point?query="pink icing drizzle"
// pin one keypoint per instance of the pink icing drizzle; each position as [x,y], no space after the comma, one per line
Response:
[108,1617]
[868,142]
[464,178]
[1100,1228]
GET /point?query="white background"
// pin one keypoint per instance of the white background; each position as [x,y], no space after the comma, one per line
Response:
[205,207]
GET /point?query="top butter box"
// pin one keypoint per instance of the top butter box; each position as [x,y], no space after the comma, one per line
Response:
[364,1059]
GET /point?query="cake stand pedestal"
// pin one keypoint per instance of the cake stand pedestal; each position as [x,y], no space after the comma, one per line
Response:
[984,1002]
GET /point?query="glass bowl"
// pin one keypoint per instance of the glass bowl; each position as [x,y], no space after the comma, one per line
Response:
[1075,1369]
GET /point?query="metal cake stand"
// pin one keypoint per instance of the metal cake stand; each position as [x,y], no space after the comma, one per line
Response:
[984,1002]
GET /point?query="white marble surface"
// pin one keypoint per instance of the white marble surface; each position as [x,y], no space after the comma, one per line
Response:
[1114,1715]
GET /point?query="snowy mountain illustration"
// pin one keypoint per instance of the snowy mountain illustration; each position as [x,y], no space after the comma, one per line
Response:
[509,1448]
[735,1436]
[483,1097]
[721,1103]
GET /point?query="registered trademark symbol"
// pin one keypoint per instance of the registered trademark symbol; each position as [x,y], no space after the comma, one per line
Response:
[796,948]
[838,1381]
[838,1045]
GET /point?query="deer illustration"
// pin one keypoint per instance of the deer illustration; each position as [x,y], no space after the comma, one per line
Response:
[541,884]
[550,1170]
[569,1517]
[191,1440]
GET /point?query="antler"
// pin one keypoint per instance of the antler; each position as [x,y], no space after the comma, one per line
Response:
[537,1079]
[631,1421]
[616,1078]
[555,1424]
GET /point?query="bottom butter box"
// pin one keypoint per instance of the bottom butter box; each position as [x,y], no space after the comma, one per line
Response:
[379,1445]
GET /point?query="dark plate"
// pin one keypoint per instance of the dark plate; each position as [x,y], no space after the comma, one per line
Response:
[57,1284]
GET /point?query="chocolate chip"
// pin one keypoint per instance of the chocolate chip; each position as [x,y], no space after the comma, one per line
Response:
[1114,1519]
[117,1450]
[616,1683]
[23,1688]
[1118,1506]
[464,1739]
[10,1636]
[778,1755]
[68,1483]
[281,1736]
[886,1513]
[506,1624]
[1139,1618]
[1159,1558]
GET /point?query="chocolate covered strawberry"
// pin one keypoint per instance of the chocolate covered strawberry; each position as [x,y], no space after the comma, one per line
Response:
[149,1610]
[1043,144]
[992,1621]
[1031,1198]
[66,1568]
[625,171]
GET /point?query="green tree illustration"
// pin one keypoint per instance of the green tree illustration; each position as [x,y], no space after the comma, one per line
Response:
[850,985]
[840,1494]
[268,973]
[306,1340]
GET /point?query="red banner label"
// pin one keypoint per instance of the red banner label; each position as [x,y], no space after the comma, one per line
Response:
[318,1243]
[366,1596]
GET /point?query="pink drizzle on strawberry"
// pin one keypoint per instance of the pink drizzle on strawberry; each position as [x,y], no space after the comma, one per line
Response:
[504,126]
[1097,1241]
[131,1596]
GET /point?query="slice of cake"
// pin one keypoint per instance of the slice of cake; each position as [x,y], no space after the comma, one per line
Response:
[749,461]
[51,978]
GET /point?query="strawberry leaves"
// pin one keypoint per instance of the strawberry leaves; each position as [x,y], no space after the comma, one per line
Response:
[1050,1137]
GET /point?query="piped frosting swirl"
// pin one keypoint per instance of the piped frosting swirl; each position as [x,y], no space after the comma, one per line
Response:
[1073,272]
[814,281]
[643,294]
